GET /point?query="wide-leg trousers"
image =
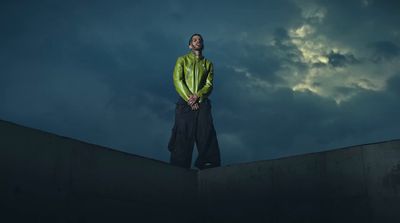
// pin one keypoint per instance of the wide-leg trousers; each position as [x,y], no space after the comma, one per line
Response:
[190,127]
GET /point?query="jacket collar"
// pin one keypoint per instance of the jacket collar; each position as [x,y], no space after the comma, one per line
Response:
[192,55]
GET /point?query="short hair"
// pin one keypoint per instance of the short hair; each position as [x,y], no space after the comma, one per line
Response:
[196,34]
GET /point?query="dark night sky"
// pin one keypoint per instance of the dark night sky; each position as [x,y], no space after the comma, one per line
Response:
[291,76]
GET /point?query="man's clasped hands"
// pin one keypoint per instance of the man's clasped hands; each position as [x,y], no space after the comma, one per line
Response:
[193,102]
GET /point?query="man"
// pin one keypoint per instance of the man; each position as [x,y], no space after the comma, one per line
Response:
[193,81]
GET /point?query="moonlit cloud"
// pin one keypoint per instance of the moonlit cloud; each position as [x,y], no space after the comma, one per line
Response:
[329,66]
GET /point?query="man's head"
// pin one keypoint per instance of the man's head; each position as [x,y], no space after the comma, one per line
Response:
[196,42]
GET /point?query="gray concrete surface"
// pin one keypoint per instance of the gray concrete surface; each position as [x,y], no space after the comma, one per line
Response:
[355,184]
[49,178]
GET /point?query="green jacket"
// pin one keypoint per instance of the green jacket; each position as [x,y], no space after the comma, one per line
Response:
[193,75]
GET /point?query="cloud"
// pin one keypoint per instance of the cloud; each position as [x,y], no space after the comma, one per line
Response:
[322,80]
[290,76]
[341,60]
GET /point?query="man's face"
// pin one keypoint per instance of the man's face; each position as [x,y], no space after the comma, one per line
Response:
[196,43]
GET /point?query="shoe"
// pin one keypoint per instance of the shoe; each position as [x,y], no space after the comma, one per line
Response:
[207,165]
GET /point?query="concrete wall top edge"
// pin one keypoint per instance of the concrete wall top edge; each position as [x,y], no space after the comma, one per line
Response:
[309,154]
[94,146]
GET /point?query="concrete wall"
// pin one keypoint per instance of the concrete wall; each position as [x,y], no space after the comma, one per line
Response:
[48,178]
[357,184]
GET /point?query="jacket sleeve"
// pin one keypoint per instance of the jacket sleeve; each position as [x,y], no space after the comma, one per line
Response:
[208,86]
[179,80]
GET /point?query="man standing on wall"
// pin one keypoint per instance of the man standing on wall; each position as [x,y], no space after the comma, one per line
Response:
[193,80]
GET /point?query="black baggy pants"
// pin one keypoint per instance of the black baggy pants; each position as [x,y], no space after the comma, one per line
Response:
[194,127]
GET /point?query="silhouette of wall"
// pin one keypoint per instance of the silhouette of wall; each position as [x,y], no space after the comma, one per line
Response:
[49,178]
[356,184]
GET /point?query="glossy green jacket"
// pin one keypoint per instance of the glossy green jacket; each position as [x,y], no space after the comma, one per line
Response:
[193,75]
